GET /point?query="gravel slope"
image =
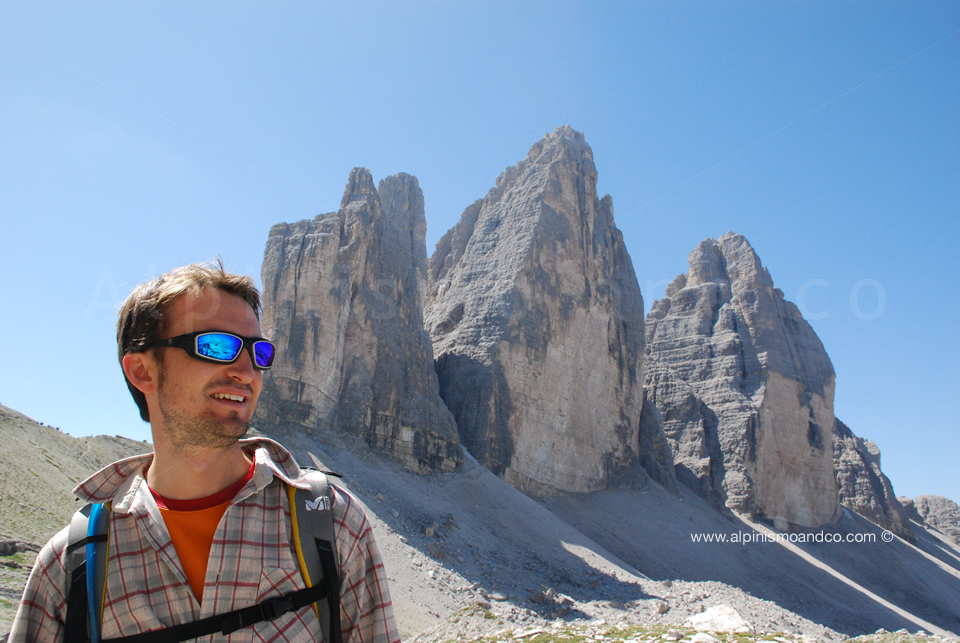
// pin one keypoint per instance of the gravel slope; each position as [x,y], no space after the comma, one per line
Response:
[469,557]
[456,541]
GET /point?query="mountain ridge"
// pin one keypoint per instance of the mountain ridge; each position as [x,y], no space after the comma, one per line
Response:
[560,386]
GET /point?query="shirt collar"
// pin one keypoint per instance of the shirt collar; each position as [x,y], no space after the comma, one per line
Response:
[118,482]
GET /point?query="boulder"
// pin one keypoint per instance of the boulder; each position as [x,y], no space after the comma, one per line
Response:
[719,618]
[343,301]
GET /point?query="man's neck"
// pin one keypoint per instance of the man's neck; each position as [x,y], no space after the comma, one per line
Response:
[190,473]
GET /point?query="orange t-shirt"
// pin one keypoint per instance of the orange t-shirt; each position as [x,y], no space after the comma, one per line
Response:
[192,524]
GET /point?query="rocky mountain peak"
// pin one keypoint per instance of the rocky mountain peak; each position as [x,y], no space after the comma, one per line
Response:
[343,302]
[562,142]
[728,260]
[402,200]
[745,388]
[359,187]
[536,318]
[707,265]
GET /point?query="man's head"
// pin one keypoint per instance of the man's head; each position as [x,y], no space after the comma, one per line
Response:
[175,383]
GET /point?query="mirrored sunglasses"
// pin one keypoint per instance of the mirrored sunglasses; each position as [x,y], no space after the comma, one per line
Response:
[221,347]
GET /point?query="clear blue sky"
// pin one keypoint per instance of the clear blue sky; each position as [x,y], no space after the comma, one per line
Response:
[136,137]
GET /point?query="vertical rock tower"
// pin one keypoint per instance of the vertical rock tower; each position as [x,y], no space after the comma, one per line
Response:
[745,389]
[537,325]
[343,301]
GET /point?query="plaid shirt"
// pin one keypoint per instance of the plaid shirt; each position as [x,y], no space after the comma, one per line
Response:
[252,559]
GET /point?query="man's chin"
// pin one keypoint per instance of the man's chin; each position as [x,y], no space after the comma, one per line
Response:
[231,423]
[216,434]
[231,432]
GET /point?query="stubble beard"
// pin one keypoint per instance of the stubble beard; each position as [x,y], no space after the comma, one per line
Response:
[186,432]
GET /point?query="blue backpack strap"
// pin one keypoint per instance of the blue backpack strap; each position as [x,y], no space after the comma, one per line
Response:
[313,536]
[97,554]
[86,563]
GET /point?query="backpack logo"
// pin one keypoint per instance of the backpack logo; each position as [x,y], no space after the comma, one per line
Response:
[318,504]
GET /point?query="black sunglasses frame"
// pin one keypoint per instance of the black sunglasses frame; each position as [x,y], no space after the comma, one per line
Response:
[188,342]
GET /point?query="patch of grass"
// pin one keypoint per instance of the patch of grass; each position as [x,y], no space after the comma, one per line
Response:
[750,638]
[893,637]
[18,558]
[620,633]
[554,637]
[585,633]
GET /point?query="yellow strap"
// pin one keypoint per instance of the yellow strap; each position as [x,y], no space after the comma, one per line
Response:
[291,495]
[106,565]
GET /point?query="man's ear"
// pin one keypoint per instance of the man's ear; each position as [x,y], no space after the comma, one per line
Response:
[142,371]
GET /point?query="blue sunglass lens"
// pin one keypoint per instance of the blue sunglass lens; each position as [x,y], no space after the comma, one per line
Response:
[264,352]
[223,348]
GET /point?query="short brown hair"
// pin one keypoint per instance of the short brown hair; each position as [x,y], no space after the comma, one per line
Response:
[141,322]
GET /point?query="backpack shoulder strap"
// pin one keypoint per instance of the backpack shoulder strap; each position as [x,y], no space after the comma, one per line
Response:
[313,535]
[86,562]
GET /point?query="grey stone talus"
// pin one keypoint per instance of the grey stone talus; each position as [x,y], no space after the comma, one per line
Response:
[343,302]
[745,388]
[863,487]
[537,326]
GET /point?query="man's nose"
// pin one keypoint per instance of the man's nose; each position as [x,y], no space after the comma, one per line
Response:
[242,369]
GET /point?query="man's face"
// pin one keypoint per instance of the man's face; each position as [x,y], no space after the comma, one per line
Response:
[190,392]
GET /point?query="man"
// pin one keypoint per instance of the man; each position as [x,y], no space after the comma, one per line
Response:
[201,527]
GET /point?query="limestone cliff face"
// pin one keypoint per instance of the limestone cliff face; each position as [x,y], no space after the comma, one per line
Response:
[537,326]
[343,301]
[745,389]
[862,485]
